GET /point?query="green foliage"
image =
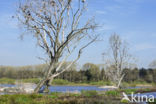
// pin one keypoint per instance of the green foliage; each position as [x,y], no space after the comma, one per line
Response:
[60,99]
[129,91]
[55,94]
[89,93]
[113,93]
[124,101]
[15,99]
[7,81]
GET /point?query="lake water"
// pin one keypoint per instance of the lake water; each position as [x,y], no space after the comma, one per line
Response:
[74,88]
[78,88]
[65,88]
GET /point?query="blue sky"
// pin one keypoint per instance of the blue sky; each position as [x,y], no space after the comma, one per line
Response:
[133,20]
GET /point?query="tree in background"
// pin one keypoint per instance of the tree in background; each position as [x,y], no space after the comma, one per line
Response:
[57,26]
[153,64]
[118,60]
[92,72]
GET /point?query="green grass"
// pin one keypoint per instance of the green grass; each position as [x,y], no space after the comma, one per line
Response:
[101,83]
[129,91]
[89,93]
[65,82]
[60,82]
[7,81]
[31,80]
[136,83]
[85,97]
[113,93]
[54,82]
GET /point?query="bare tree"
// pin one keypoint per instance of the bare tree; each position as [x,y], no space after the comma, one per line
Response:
[118,60]
[153,64]
[59,29]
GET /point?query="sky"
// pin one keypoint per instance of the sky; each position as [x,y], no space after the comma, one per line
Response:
[133,20]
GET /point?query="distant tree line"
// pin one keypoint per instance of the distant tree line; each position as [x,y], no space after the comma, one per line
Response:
[87,73]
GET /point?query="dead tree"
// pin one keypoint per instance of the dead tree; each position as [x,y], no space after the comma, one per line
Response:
[118,60]
[59,29]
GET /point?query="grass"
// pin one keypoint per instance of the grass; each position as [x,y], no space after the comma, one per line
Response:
[101,83]
[55,82]
[119,92]
[7,81]
[85,97]
[62,82]
[89,93]
[137,83]
[113,93]
[31,80]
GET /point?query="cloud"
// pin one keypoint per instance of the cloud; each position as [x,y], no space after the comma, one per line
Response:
[144,46]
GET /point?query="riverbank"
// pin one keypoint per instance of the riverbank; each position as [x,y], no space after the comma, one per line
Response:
[67,83]
[83,97]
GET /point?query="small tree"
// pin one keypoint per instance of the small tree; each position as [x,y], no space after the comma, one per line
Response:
[118,60]
[59,31]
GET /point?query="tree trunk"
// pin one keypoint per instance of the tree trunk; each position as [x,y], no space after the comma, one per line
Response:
[41,83]
[120,80]
[47,82]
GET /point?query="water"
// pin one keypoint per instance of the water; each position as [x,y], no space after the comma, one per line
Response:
[78,89]
[74,88]
[7,85]
[65,88]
